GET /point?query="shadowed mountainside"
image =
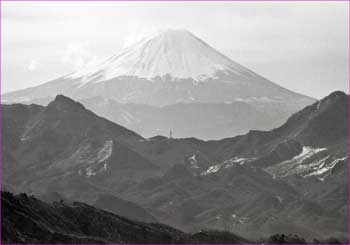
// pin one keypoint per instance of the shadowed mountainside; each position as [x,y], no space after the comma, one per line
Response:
[288,180]
[28,220]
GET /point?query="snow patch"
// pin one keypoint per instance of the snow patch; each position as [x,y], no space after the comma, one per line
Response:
[105,152]
[212,169]
[265,100]
[279,198]
[227,164]
[193,161]
[318,105]
[239,220]
[236,160]
[97,162]
[306,153]
[89,172]
[297,165]
[322,168]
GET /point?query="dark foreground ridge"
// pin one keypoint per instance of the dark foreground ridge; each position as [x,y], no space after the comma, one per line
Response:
[26,219]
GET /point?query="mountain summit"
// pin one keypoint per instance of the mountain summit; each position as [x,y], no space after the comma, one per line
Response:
[173,53]
[172,80]
[163,69]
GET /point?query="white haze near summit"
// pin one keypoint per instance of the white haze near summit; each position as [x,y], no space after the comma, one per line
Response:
[302,46]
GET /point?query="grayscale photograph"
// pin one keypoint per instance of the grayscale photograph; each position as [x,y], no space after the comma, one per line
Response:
[174,122]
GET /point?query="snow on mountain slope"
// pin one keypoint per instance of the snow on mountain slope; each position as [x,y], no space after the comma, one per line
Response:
[182,81]
[176,53]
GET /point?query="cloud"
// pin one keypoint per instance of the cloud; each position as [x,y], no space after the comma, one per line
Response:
[77,54]
[136,33]
[33,65]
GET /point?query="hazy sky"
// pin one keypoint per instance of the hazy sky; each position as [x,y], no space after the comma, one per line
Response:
[302,46]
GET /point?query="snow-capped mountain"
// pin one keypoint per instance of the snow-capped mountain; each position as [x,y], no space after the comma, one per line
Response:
[171,69]
[171,66]
[173,53]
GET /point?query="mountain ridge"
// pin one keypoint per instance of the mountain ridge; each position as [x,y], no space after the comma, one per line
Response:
[69,222]
[190,183]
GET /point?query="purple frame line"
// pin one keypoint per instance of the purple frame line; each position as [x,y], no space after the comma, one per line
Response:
[348,133]
[0,121]
[174,0]
[348,136]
